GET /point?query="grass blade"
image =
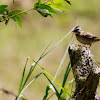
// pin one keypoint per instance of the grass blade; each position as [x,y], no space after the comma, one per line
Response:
[29,84]
[46,49]
[21,82]
[66,91]
[58,42]
[98,62]
[27,78]
[32,68]
[66,76]
[66,52]
[46,93]
[56,92]
[49,75]
[51,96]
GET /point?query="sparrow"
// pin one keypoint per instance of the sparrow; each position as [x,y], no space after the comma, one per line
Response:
[85,37]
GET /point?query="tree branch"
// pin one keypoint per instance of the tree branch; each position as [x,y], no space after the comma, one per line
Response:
[23,12]
[86,73]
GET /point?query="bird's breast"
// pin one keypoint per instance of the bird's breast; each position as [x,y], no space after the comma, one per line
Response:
[83,40]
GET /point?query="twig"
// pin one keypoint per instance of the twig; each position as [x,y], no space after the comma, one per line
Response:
[7,92]
[17,14]
[22,12]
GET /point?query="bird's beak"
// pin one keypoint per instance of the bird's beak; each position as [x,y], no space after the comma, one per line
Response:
[72,30]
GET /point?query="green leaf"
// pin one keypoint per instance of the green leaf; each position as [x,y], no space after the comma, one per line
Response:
[36,5]
[3,8]
[58,1]
[58,7]
[55,2]
[43,6]
[14,18]
[18,19]
[39,2]
[44,9]
[44,12]
[16,12]
[68,1]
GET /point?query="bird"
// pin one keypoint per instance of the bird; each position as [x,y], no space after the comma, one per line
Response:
[85,38]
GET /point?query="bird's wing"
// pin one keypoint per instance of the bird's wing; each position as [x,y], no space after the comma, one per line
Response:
[87,34]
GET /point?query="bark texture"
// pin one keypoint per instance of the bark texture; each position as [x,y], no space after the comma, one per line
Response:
[86,73]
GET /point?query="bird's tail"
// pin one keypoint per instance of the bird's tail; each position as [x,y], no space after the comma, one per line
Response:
[97,39]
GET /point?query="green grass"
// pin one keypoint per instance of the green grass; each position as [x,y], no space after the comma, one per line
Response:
[17,44]
[23,82]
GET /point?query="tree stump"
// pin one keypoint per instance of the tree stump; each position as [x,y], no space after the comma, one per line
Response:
[86,73]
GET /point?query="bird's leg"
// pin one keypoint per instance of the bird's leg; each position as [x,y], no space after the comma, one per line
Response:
[89,45]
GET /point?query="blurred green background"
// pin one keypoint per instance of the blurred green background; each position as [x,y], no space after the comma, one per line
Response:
[17,44]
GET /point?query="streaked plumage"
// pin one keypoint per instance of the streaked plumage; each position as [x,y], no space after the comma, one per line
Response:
[85,37]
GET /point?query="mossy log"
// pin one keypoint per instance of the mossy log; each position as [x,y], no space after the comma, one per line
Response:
[85,72]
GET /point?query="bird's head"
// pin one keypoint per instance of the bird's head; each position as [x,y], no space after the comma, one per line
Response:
[77,29]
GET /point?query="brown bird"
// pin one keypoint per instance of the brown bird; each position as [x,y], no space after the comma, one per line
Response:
[85,37]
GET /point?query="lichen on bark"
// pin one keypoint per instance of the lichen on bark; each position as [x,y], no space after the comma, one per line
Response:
[84,72]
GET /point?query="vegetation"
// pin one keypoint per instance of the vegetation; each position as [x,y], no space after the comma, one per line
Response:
[46,9]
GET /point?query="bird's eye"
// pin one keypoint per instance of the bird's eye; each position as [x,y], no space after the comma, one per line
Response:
[77,26]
